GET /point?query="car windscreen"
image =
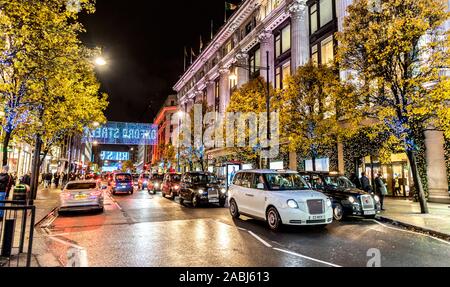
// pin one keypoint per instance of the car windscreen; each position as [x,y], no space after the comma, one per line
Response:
[286,181]
[339,181]
[203,178]
[80,185]
[123,177]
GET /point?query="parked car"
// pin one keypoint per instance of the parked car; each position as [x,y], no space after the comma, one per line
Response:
[201,188]
[347,200]
[279,198]
[122,183]
[82,195]
[171,185]
[155,183]
[143,181]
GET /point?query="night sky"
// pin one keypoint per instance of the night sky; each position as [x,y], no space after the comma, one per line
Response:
[143,42]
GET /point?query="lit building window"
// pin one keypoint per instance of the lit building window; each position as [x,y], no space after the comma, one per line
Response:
[283,41]
[282,73]
[327,51]
[313,18]
[315,55]
[326,12]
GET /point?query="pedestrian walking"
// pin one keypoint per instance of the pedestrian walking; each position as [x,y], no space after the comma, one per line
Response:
[26,179]
[5,182]
[56,177]
[380,189]
[65,178]
[365,183]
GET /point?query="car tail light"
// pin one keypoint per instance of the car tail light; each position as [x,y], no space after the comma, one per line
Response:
[176,186]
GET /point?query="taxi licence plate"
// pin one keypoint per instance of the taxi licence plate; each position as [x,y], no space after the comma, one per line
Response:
[213,200]
[370,212]
[80,197]
[317,217]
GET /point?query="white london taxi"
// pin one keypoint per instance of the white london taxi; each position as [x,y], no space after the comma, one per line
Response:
[278,197]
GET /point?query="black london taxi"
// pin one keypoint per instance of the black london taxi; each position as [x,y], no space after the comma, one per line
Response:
[201,188]
[347,200]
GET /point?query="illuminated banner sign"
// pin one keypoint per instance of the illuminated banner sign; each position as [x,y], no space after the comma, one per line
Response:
[115,156]
[123,134]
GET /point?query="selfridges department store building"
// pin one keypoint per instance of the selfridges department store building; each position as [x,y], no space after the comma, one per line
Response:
[292,32]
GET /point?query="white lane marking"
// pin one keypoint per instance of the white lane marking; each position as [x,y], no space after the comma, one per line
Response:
[77,256]
[411,232]
[114,201]
[306,257]
[242,229]
[260,239]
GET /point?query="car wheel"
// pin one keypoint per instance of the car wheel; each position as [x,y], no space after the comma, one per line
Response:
[194,201]
[114,192]
[338,212]
[273,219]
[234,211]
[101,209]
[222,203]
[181,201]
[172,195]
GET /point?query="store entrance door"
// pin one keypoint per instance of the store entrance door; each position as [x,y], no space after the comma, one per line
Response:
[400,180]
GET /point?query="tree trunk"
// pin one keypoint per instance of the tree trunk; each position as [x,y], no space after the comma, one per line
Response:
[418,187]
[6,141]
[35,167]
[314,163]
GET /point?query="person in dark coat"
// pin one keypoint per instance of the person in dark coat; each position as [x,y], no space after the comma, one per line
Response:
[56,179]
[365,183]
[355,180]
[380,189]
[5,181]
[26,179]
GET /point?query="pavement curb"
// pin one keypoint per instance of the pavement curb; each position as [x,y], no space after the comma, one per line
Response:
[50,213]
[424,230]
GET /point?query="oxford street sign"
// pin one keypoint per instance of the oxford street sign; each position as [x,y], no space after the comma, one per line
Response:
[118,133]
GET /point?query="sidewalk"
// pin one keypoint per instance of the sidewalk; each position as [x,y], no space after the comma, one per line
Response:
[47,200]
[407,213]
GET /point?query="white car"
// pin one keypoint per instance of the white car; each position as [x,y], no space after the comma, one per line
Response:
[278,197]
[82,195]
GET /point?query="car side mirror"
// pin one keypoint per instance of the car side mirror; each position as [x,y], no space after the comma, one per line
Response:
[260,186]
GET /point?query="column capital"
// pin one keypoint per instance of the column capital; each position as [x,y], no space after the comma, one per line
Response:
[224,71]
[298,9]
[265,37]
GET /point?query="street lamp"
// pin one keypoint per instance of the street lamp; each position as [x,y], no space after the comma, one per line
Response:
[100,61]
[233,77]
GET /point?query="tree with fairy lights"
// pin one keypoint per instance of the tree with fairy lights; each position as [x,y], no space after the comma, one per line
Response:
[395,53]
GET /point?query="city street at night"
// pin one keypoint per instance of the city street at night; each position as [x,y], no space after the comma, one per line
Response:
[225,142]
[148,230]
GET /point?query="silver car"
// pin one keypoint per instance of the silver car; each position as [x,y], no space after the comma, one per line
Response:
[82,195]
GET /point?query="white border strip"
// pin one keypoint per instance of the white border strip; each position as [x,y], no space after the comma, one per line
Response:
[306,257]
[411,232]
[260,239]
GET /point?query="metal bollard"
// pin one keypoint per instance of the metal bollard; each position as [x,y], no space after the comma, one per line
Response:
[8,237]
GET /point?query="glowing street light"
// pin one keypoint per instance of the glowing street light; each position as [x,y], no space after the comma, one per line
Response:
[96,124]
[95,143]
[100,61]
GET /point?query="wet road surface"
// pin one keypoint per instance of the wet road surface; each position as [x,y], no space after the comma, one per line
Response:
[148,230]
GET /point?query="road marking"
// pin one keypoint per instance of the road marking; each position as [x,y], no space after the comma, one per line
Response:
[410,231]
[260,239]
[114,201]
[306,257]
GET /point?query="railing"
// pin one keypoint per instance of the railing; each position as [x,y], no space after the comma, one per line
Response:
[16,233]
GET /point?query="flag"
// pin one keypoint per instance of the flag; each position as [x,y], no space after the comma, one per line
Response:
[229,7]
[192,56]
[185,57]
[201,44]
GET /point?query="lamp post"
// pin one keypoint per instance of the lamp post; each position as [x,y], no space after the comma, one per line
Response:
[267,69]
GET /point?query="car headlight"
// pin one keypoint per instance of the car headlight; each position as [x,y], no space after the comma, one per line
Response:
[292,203]
[377,198]
[223,191]
[351,199]
[201,191]
[328,202]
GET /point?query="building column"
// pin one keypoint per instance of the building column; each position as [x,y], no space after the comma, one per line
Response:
[224,90]
[210,93]
[242,73]
[436,167]
[341,161]
[267,45]
[341,11]
[300,34]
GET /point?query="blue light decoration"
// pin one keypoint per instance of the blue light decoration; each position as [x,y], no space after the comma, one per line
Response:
[118,133]
[114,156]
